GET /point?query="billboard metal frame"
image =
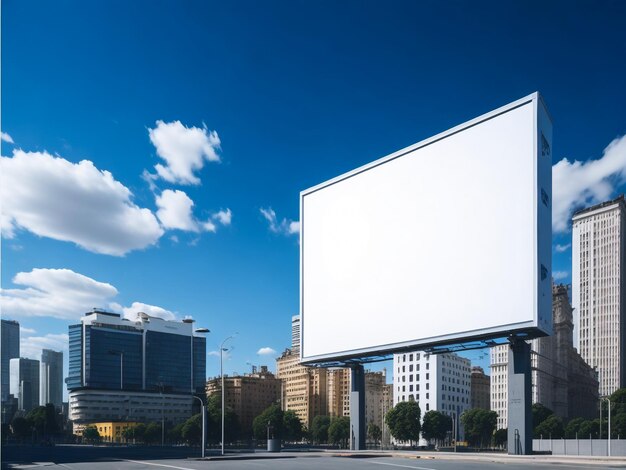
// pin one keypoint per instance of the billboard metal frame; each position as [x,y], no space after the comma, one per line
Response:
[484,336]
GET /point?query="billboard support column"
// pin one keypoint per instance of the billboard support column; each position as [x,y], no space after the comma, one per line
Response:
[357,407]
[520,419]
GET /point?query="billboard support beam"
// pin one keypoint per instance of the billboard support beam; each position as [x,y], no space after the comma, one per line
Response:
[357,407]
[520,431]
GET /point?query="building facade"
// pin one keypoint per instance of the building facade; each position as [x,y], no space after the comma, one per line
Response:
[480,389]
[51,378]
[561,379]
[247,395]
[10,350]
[25,382]
[436,381]
[153,366]
[598,267]
[338,383]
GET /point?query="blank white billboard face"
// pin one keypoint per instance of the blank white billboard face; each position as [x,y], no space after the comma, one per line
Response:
[439,242]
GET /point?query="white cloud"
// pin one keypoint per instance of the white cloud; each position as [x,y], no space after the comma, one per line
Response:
[284,227]
[6,137]
[267,351]
[562,248]
[65,294]
[52,197]
[579,184]
[31,346]
[26,331]
[175,211]
[152,310]
[224,216]
[214,353]
[559,275]
[184,150]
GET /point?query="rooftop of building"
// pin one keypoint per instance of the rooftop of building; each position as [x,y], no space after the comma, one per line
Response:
[618,200]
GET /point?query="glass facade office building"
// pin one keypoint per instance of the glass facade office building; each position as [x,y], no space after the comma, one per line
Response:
[150,354]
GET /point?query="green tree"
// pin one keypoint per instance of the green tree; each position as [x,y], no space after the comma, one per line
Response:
[573,428]
[618,400]
[589,428]
[175,435]
[339,431]
[479,426]
[91,434]
[192,430]
[618,425]
[153,433]
[232,427]
[435,425]
[21,428]
[404,421]
[43,419]
[319,429]
[540,414]
[500,437]
[272,416]
[551,427]
[292,427]
[374,432]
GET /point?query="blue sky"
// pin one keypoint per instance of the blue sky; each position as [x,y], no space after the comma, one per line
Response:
[244,104]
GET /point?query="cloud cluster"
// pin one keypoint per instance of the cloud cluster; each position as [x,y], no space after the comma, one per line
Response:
[559,275]
[579,184]
[184,151]
[284,227]
[266,351]
[67,295]
[6,138]
[175,211]
[562,248]
[31,346]
[75,202]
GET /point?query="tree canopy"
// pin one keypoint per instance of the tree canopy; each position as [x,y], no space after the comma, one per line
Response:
[374,432]
[435,425]
[551,427]
[339,431]
[479,426]
[319,429]
[404,421]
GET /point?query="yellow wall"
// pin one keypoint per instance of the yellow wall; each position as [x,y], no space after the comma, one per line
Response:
[112,431]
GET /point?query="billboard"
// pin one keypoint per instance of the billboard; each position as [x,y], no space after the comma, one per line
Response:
[443,242]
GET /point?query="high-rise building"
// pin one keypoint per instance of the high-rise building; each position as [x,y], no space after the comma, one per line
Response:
[598,268]
[51,378]
[295,333]
[136,370]
[10,350]
[561,379]
[338,384]
[25,382]
[304,389]
[375,383]
[248,395]
[436,381]
[481,388]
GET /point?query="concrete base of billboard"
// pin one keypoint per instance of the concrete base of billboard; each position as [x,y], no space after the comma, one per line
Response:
[357,407]
[520,417]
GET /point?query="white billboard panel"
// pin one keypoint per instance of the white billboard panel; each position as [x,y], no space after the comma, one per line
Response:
[446,241]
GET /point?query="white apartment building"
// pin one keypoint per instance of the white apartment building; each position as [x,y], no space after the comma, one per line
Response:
[598,263]
[436,381]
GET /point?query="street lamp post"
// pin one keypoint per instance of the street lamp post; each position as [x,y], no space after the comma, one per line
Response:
[121,354]
[223,390]
[203,411]
[608,404]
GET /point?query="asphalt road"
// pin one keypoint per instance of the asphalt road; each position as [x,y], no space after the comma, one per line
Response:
[310,463]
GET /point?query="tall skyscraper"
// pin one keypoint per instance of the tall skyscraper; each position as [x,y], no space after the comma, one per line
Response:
[25,382]
[51,378]
[598,269]
[10,350]
[481,385]
[295,333]
[139,370]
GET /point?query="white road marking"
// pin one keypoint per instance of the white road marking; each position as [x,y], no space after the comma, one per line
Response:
[398,465]
[159,464]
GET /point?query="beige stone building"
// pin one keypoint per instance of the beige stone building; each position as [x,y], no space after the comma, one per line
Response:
[480,388]
[339,392]
[561,379]
[248,395]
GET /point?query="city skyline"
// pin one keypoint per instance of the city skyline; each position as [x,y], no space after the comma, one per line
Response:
[174,162]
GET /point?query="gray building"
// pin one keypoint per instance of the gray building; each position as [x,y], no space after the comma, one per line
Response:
[51,378]
[598,268]
[10,350]
[25,382]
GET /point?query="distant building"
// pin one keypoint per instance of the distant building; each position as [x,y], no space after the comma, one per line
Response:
[25,382]
[387,404]
[51,378]
[338,384]
[295,333]
[304,388]
[561,379]
[141,370]
[248,395]
[436,381]
[110,431]
[10,350]
[480,388]
[375,383]
[598,275]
